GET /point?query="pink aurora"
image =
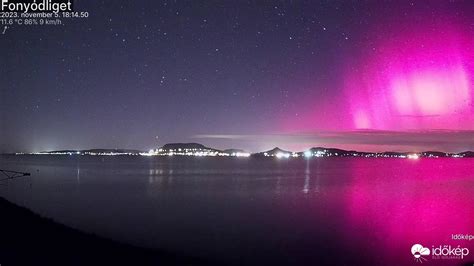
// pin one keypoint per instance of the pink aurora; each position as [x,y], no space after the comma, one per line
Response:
[415,81]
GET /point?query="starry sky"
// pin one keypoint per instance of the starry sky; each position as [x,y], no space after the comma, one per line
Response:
[368,75]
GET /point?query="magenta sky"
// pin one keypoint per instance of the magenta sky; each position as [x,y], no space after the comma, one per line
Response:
[419,80]
[409,82]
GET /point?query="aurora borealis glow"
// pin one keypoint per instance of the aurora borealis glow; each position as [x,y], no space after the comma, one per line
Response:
[418,80]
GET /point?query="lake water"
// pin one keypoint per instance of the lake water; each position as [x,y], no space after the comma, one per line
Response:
[325,211]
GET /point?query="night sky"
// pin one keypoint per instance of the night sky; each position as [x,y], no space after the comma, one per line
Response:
[373,75]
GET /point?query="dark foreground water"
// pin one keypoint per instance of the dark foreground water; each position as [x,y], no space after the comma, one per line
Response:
[333,211]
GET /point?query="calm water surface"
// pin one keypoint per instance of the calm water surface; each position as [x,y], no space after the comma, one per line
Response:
[332,211]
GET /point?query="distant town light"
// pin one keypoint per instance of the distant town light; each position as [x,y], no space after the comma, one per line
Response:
[242,154]
[282,155]
[209,152]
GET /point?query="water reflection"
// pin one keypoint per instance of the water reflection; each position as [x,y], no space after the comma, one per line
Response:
[259,212]
[278,185]
[307,177]
[424,202]
[159,180]
[78,176]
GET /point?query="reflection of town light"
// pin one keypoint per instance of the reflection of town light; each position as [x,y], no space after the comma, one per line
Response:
[413,156]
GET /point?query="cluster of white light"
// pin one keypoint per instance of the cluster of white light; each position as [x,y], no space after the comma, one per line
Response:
[205,153]
[85,153]
[388,156]
[107,153]
[193,152]
[282,155]
[325,153]
[56,153]
[309,154]
[239,154]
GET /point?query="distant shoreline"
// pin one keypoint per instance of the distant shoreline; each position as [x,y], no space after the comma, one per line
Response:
[199,150]
[253,156]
